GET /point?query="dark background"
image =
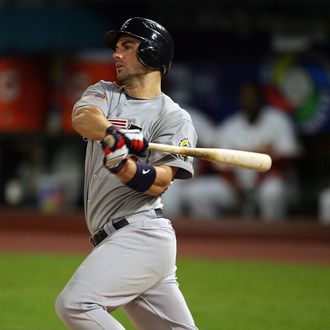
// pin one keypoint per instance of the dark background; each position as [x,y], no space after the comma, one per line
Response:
[218,45]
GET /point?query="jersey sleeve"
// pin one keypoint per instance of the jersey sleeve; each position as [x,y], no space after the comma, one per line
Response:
[95,95]
[178,130]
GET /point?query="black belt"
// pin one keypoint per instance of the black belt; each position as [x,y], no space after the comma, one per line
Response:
[101,234]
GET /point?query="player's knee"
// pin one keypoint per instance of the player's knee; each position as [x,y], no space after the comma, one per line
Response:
[66,305]
[70,303]
[61,306]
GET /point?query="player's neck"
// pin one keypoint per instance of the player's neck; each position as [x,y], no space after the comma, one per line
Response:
[146,87]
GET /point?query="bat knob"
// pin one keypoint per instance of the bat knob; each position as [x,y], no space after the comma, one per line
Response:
[109,140]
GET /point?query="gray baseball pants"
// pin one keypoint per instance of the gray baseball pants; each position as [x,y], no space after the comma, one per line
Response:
[134,269]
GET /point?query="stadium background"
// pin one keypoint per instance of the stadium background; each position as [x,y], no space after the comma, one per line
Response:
[49,51]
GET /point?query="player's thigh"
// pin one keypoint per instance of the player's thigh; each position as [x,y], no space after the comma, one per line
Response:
[121,268]
[161,307]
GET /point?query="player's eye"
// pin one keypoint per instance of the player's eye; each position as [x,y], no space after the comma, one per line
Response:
[128,46]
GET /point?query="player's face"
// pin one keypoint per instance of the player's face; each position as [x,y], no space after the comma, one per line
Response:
[127,63]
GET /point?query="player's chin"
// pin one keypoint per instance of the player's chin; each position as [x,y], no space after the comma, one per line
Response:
[122,77]
[119,80]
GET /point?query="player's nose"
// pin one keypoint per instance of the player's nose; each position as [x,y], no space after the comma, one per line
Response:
[116,55]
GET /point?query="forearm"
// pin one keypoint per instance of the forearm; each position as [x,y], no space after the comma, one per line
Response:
[90,122]
[163,179]
[145,178]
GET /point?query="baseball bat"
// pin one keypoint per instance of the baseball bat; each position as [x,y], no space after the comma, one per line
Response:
[236,158]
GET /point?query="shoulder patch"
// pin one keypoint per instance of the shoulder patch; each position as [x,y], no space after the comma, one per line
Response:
[184,142]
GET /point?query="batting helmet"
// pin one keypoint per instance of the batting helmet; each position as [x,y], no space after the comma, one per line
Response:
[157,47]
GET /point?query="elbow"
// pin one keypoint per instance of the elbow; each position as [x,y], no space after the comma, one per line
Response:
[78,119]
[157,190]
[79,126]
[164,178]
[76,126]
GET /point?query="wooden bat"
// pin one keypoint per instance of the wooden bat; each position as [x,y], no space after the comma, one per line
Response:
[236,158]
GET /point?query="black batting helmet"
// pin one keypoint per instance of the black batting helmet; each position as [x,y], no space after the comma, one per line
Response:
[157,47]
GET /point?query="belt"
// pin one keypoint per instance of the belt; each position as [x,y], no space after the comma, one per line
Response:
[101,234]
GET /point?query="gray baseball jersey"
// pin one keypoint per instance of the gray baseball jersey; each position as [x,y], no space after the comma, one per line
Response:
[161,121]
[133,268]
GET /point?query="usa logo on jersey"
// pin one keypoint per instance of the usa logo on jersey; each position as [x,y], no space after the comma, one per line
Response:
[120,123]
[94,96]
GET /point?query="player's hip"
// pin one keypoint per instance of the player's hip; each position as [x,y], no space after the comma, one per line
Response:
[152,220]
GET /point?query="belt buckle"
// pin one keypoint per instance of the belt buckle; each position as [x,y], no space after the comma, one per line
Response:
[91,239]
[120,223]
[98,237]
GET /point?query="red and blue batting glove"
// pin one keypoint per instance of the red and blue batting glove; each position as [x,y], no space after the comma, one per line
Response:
[135,141]
[115,149]
[117,144]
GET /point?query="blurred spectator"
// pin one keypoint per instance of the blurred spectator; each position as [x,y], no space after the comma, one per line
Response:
[60,187]
[257,127]
[179,84]
[324,206]
[49,179]
[21,171]
[174,201]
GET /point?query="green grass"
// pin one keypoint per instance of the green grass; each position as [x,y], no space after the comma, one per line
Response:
[221,295]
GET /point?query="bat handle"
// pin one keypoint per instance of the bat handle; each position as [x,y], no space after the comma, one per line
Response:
[110,140]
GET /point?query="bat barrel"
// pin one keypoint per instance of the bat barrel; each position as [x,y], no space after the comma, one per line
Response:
[245,159]
[236,158]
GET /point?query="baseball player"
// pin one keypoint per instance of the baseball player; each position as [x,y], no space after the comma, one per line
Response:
[133,263]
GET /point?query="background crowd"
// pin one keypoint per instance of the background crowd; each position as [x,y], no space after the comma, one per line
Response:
[252,77]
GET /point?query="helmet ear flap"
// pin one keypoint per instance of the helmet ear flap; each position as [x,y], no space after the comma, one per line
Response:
[149,55]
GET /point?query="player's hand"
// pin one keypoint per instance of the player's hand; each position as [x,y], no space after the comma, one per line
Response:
[114,148]
[135,141]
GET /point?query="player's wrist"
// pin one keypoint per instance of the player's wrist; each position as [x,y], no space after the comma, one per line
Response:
[112,136]
[110,130]
[143,178]
[116,169]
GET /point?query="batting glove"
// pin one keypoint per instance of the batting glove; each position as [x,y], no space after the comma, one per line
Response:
[135,141]
[115,149]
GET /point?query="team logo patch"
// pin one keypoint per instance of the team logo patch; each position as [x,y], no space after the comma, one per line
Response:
[184,142]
